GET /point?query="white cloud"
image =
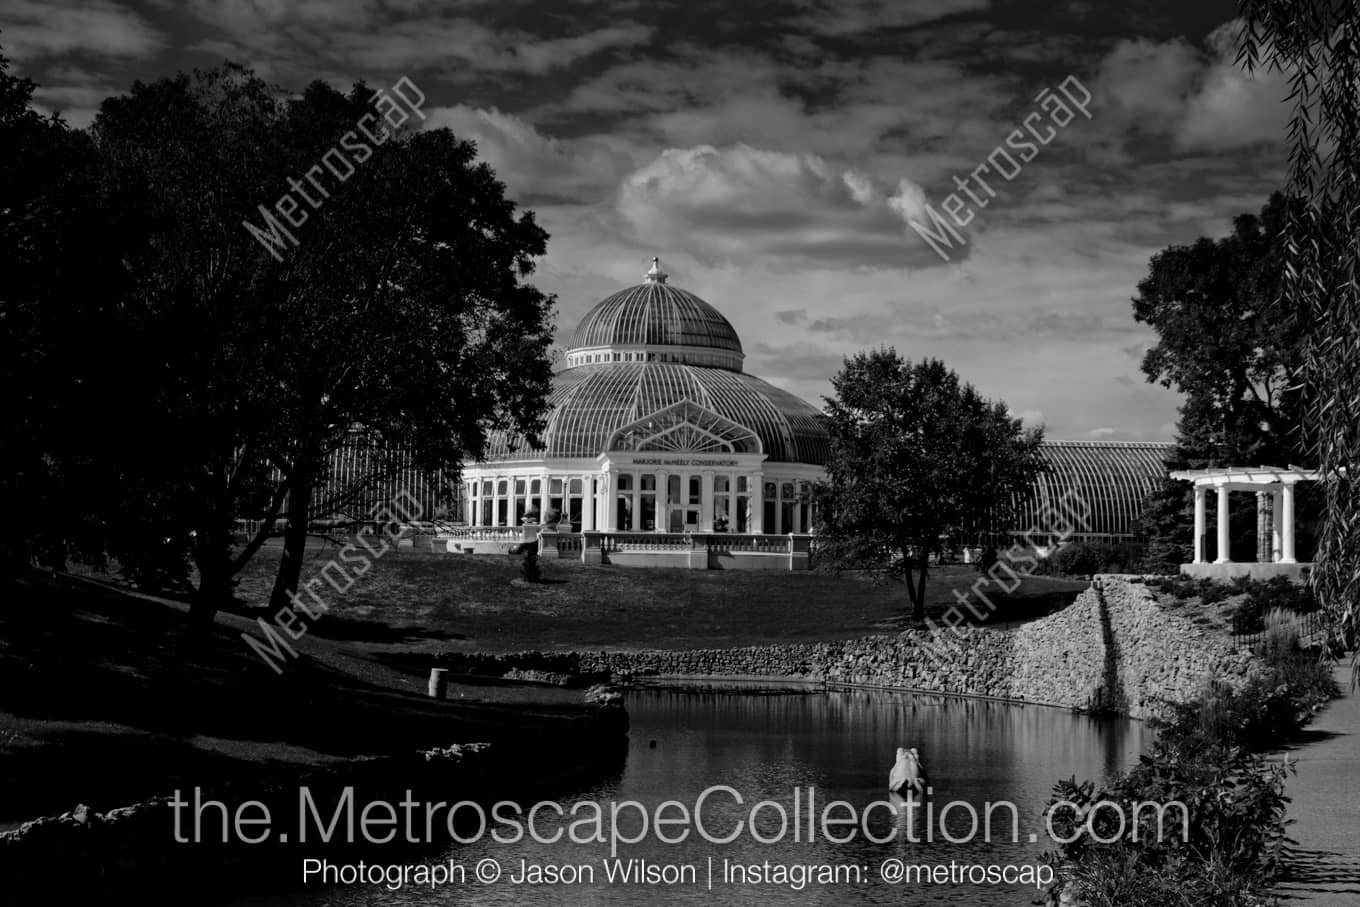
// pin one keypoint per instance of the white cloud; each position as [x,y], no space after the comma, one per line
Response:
[1233,108]
[35,30]
[909,201]
[532,163]
[1203,101]
[742,201]
[1148,79]
[364,37]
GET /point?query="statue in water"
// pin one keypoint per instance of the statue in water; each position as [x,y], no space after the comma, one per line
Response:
[907,775]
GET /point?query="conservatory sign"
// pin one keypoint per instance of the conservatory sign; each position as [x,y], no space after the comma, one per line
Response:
[704,462]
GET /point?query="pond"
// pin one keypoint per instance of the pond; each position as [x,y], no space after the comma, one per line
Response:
[801,751]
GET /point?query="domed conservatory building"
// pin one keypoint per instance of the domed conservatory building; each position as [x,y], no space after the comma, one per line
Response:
[655,428]
[660,449]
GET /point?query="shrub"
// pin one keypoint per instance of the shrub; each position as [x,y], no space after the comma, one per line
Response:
[529,568]
[1233,820]
[1206,757]
[1278,593]
[1293,683]
[1178,585]
[1211,592]
[1248,617]
[1282,593]
[1120,878]
[1086,558]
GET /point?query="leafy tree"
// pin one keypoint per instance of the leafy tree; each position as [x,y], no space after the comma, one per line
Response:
[1225,343]
[59,254]
[401,311]
[1314,43]
[917,456]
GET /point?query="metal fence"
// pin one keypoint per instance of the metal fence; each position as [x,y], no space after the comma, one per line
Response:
[1312,628]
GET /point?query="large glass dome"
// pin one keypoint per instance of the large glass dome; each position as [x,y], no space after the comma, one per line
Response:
[646,349]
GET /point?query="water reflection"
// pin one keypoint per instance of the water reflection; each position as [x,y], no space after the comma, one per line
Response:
[790,749]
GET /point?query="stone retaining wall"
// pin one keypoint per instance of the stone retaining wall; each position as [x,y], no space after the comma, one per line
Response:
[1113,649]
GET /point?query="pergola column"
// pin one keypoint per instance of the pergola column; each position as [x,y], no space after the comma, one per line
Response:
[1275,504]
[1263,523]
[1200,500]
[1287,518]
[1223,540]
[1276,526]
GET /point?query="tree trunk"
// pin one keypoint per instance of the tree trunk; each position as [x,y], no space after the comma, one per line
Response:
[919,599]
[294,540]
[916,582]
[214,590]
[212,557]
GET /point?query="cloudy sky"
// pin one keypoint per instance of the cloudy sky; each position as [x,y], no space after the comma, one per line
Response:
[773,154]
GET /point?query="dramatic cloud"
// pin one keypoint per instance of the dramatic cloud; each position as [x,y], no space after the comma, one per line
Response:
[534,165]
[1148,81]
[833,17]
[1233,109]
[739,202]
[773,155]
[35,30]
[449,46]
[363,38]
[1202,100]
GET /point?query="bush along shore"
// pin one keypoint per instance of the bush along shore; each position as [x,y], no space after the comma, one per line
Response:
[1226,848]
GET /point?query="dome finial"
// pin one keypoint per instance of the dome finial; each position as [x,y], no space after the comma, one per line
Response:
[656,275]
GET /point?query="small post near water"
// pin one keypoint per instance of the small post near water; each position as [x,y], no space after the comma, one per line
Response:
[439,685]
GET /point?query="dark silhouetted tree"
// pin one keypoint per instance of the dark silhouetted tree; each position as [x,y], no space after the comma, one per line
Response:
[917,456]
[62,287]
[1314,43]
[402,309]
[1226,344]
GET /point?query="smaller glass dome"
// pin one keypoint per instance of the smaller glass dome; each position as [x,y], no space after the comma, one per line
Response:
[655,322]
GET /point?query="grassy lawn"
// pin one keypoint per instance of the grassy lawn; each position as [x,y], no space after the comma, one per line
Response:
[107,698]
[89,668]
[417,601]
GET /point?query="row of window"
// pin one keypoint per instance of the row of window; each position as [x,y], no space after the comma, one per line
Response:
[642,505]
[691,358]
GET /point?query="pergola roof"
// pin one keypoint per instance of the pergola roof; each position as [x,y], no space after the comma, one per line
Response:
[1247,475]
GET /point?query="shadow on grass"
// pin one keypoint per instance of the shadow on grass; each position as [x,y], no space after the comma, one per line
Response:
[994,611]
[103,692]
[352,629]
[1305,736]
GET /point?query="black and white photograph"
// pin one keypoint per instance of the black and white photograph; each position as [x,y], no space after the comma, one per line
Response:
[676,452]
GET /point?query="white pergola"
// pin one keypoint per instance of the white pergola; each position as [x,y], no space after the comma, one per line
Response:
[1278,482]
